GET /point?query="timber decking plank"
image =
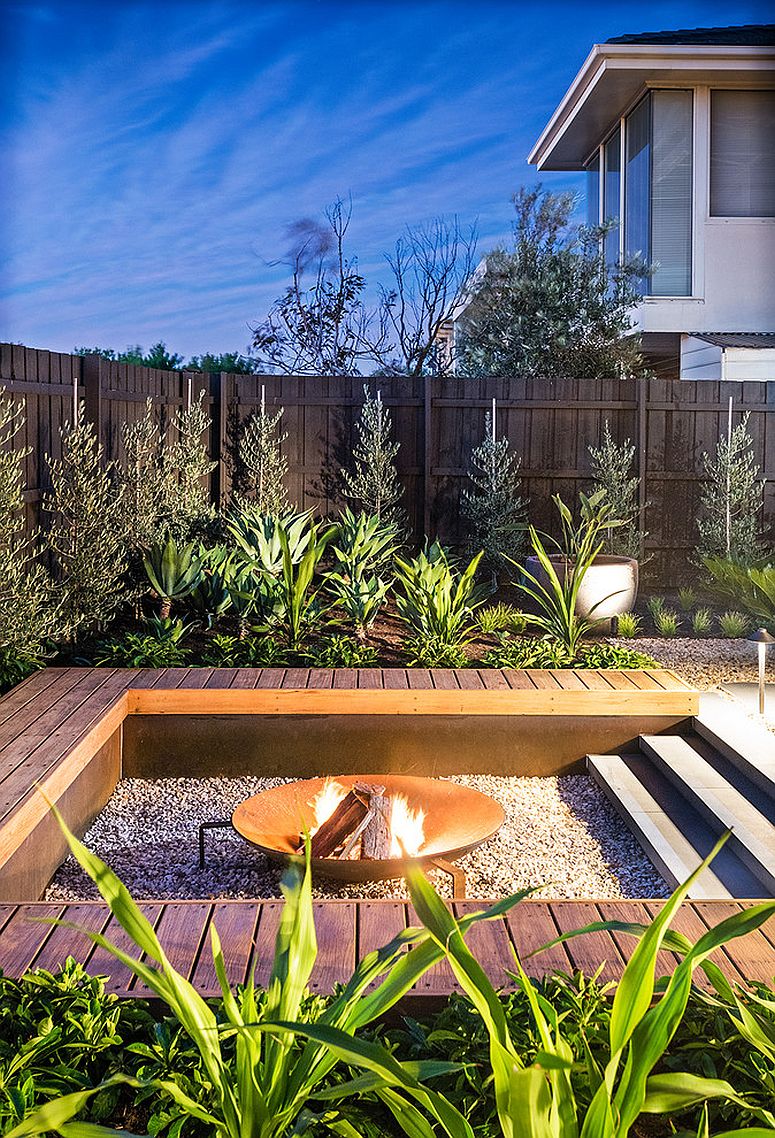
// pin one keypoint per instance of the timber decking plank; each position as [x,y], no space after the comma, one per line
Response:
[345,679]
[634,913]
[544,679]
[445,679]
[438,980]
[320,678]
[67,941]
[621,681]
[589,951]
[570,680]
[419,679]
[245,678]
[596,681]
[751,954]
[181,933]
[644,681]
[271,678]
[370,678]
[490,944]
[377,923]
[265,936]
[104,963]
[493,679]
[25,704]
[235,923]
[295,678]
[531,926]
[335,929]
[25,934]
[219,678]
[518,680]
[469,679]
[196,678]
[39,727]
[688,922]
[394,679]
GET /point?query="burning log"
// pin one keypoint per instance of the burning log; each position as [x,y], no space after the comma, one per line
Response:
[376,834]
[335,830]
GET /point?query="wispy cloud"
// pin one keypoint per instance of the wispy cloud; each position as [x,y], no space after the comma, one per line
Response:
[156,153]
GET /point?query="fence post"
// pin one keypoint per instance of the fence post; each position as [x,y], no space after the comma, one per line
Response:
[219,391]
[94,378]
[641,386]
[427,443]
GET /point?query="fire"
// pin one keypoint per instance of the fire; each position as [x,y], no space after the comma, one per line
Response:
[407,828]
[325,802]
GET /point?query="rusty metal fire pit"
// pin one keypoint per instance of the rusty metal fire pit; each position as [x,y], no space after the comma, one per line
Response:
[456,820]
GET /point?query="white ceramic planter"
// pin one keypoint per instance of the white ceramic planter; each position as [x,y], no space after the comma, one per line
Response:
[609,579]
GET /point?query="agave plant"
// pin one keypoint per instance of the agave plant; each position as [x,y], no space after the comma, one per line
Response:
[557,593]
[257,537]
[365,543]
[435,601]
[752,586]
[273,1087]
[173,571]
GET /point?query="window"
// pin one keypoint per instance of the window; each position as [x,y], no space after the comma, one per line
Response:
[742,154]
[637,207]
[612,196]
[592,169]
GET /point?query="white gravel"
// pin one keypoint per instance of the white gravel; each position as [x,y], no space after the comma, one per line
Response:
[704,663]
[560,833]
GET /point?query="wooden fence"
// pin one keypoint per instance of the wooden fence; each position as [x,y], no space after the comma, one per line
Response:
[550,423]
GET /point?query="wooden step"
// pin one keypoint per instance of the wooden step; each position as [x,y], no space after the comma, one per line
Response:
[746,744]
[675,842]
[720,804]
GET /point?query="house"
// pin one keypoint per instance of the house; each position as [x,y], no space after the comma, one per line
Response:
[676,133]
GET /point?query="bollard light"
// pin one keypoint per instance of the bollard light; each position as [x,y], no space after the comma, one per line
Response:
[761,638]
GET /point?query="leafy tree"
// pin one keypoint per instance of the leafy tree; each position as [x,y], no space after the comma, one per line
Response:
[548,306]
[373,483]
[731,498]
[29,608]
[232,362]
[87,528]
[186,466]
[494,507]
[157,356]
[132,355]
[612,465]
[143,476]
[263,464]
[320,325]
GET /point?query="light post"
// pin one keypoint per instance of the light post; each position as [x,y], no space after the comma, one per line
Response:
[761,638]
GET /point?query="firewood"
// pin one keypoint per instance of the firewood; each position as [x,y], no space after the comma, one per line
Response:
[375,844]
[336,829]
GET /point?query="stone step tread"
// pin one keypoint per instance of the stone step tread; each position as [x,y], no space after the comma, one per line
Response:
[747,744]
[701,783]
[675,846]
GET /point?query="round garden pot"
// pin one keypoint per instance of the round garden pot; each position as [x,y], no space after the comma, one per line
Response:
[610,583]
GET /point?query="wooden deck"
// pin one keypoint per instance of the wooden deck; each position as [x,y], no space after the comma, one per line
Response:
[347,930]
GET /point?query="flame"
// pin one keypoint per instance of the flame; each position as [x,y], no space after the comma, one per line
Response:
[325,803]
[407,828]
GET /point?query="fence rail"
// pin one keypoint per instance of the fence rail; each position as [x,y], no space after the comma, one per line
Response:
[437,421]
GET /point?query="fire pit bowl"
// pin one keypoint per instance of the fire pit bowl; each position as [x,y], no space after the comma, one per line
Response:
[457,819]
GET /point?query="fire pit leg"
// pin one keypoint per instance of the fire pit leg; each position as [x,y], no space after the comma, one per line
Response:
[457,874]
[209,826]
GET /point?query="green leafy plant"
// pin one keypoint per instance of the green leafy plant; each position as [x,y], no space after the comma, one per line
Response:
[86,532]
[162,647]
[687,598]
[275,1082]
[363,545]
[434,652]
[751,585]
[223,651]
[527,652]
[343,652]
[555,591]
[435,601]
[262,465]
[173,572]
[702,621]
[257,537]
[667,622]
[655,604]
[733,624]
[186,470]
[612,466]
[493,506]
[373,481]
[602,655]
[539,1098]
[500,617]
[628,625]
[302,610]
[732,497]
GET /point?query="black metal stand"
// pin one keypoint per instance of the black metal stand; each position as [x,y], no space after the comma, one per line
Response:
[209,826]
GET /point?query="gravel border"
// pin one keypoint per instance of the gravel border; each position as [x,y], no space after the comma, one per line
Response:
[560,833]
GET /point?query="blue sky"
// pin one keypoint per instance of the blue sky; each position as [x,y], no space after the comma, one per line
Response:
[155,153]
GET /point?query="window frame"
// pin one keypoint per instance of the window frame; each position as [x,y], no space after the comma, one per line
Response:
[722,218]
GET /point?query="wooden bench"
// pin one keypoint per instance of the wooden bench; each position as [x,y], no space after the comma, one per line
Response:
[348,930]
[74,731]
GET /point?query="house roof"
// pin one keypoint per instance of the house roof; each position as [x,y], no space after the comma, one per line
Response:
[743,35]
[616,73]
[737,339]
